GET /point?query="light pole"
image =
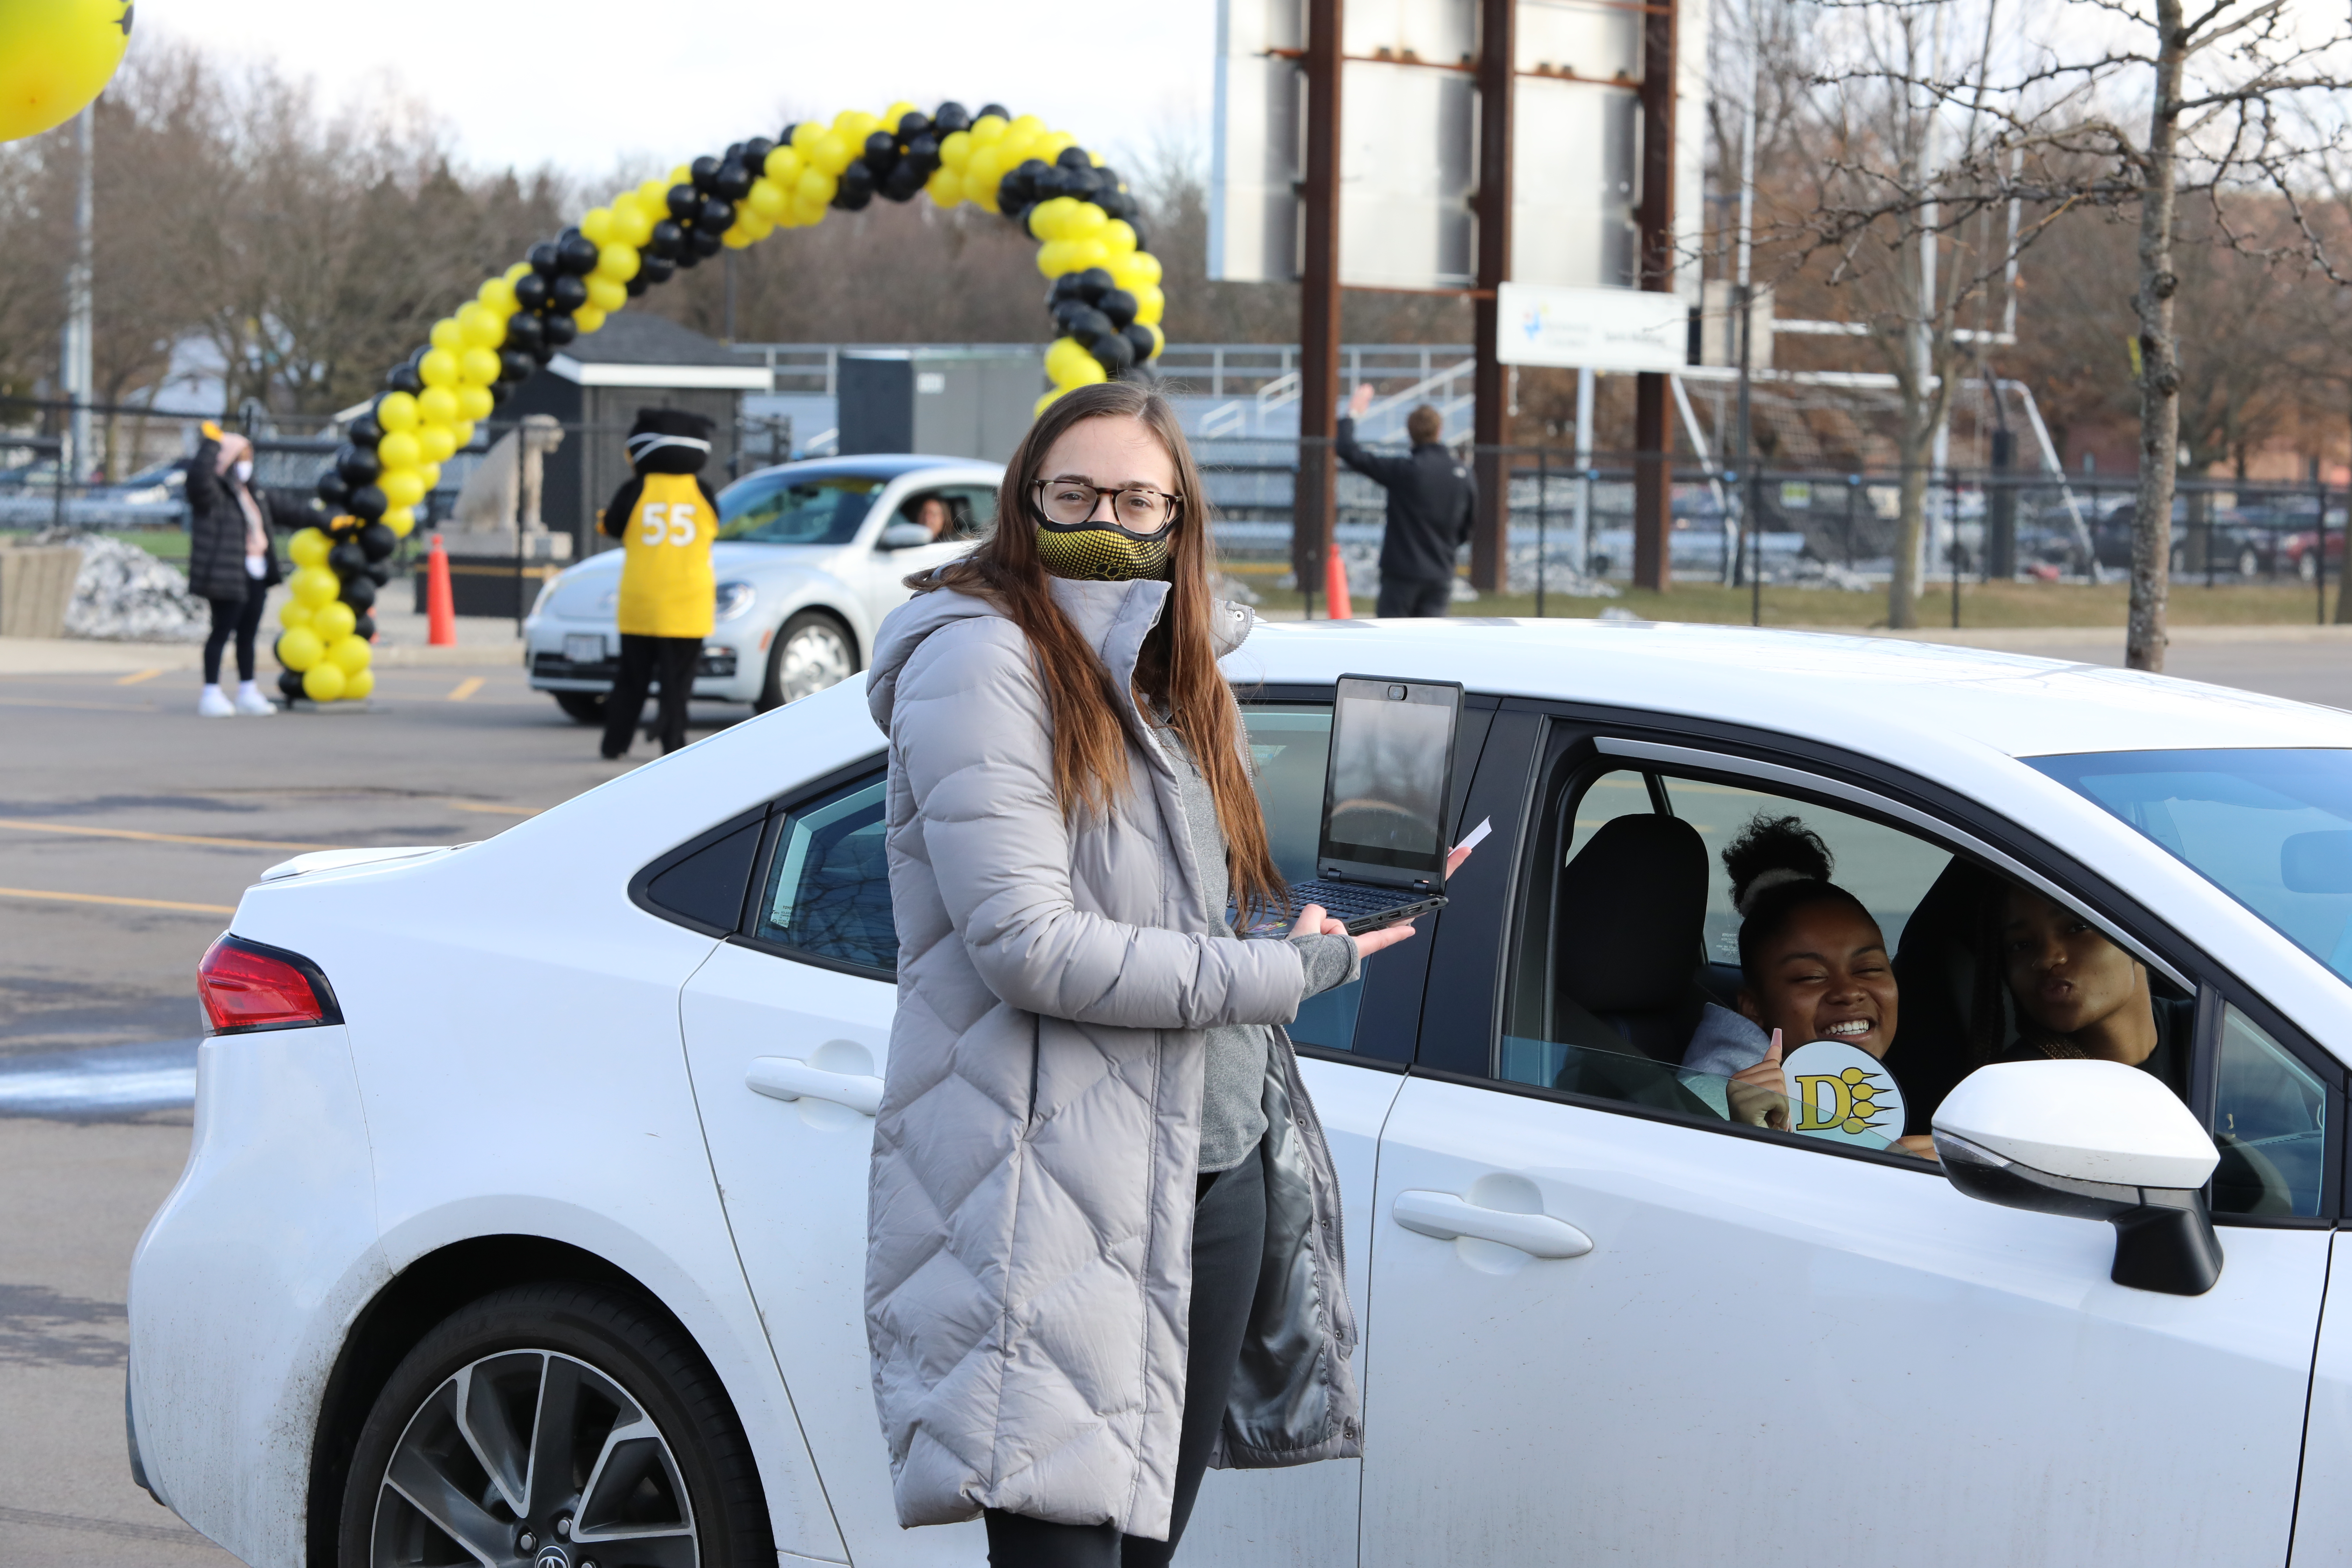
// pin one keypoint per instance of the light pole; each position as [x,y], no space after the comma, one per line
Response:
[74,371]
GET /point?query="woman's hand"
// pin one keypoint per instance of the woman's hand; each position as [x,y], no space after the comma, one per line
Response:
[1313,922]
[1759,1095]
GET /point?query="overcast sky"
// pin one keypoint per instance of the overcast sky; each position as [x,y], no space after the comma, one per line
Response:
[586,86]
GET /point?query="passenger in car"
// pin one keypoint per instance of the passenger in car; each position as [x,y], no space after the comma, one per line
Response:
[1813,966]
[2075,994]
[932,515]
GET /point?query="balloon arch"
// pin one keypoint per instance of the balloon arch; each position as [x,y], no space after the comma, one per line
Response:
[1105,303]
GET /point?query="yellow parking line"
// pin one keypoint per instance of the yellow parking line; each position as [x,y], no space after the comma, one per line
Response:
[465,688]
[135,677]
[111,899]
[163,837]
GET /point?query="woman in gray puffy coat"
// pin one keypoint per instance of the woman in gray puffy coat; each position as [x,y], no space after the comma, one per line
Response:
[1104,1247]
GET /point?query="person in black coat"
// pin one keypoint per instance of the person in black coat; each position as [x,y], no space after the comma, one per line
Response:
[1432,501]
[233,562]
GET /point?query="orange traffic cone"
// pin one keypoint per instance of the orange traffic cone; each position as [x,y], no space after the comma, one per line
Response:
[440,606]
[1335,586]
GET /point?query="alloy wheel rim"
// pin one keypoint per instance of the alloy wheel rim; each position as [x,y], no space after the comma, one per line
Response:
[532,1459]
[814,658]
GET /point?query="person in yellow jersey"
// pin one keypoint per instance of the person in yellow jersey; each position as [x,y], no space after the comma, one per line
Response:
[665,517]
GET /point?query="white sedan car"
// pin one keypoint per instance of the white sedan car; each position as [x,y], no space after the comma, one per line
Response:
[525,1220]
[810,557]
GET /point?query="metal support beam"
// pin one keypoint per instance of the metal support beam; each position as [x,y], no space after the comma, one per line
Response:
[1491,421]
[1313,512]
[1654,489]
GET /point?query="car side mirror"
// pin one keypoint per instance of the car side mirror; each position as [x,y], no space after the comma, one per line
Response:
[903,536]
[2093,1139]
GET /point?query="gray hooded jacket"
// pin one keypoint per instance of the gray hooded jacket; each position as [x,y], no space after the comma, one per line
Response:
[1028,1272]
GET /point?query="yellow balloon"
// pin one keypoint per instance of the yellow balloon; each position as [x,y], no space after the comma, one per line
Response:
[807,213]
[294,613]
[895,113]
[1150,305]
[654,196]
[806,134]
[484,328]
[632,224]
[604,294]
[988,129]
[954,148]
[1052,257]
[435,442]
[432,474]
[945,186]
[351,654]
[323,682]
[737,237]
[767,199]
[754,224]
[400,522]
[396,411]
[398,450]
[474,403]
[980,173]
[462,433]
[597,223]
[1045,402]
[436,406]
[497,296]
[1119,238]
[588,319]
[309,548]
[1140,270]
[784,166]
[299,648]
[55,56]
[476,367]
[401,487]
[816,188]
[357,686]
[1086,253]
[832,153]
[1083,221]
[620,262]
[681,175]
[439,368]
[514,273]
[447,334]
[314,585]
[331,623]
[1159,339]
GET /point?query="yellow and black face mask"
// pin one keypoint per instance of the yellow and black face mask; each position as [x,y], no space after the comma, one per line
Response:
[1102,551]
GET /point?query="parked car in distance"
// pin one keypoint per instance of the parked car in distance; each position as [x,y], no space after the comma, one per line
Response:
[2300,553]
[810,557]
[153,486]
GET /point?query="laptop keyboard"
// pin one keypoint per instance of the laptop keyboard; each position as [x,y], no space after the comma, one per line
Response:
[1350,900]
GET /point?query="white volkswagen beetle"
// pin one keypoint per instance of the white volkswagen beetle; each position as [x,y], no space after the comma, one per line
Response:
[526,1215]
[809,559]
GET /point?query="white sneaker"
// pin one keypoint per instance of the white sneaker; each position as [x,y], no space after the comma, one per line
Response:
[251,700]
[214,704]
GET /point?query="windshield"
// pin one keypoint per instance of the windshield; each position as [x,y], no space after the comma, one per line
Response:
[780,509]
[2271,828]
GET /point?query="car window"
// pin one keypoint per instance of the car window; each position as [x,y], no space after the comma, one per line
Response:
[828,890]
[970,510]
[776,509]
[1291,744]
[2270,1123]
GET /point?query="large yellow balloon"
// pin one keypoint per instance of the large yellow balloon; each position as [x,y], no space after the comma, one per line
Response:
[397,410]
[435,442]
[954,148]
[438,405]
[439,368]
[632,224]
[498,295]
[620,262]
[299,648]
[350,654]
[402,487]
[1150,303]
[832,153]
[323,682]
[767,199]
[294,613]
[588,319]
[447,334]
[476,367]
[815,189]
[596,224]
[357,686]
[945,186]
[398,450]
[784,166]
[332,623]
[608,296]
[400,520]
[309,548]
[474,403]
[314,585]
[484,328]
[55,56]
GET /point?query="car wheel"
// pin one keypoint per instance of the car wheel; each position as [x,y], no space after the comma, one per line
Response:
[2249,564]
[554,1423]
[587,707]
[812,651]
[2306,566]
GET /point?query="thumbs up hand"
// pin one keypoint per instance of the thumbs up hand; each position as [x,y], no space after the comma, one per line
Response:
[1759,1094]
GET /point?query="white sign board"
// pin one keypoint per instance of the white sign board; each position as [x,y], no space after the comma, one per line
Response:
[1841,1092]
[1597,329]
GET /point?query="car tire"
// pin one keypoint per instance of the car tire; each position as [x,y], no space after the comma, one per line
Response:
[2306,566]
[812,651]
[649,1438]
[2249,564]
[583,707]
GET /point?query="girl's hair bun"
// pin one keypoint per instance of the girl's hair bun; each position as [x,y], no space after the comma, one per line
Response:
[1771,851]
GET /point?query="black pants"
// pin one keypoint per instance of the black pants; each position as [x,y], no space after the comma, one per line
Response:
[242,617]
[1228,1240]
[669,660]
[1415,595]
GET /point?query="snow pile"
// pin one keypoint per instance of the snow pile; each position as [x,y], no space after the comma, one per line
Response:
[1559,573]
[124,595]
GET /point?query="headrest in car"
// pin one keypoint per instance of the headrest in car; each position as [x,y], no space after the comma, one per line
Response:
[1632,909]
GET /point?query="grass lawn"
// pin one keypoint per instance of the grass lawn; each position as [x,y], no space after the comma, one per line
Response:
[1981,604]
[165,543]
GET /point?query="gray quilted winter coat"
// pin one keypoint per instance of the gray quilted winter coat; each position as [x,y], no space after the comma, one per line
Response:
[1029,1259]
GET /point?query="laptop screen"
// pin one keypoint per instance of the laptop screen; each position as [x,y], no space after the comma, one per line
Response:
[1391,769]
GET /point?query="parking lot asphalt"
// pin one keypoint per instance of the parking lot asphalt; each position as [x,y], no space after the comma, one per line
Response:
[127,828]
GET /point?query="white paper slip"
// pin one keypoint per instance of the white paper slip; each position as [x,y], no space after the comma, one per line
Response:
[1478,836]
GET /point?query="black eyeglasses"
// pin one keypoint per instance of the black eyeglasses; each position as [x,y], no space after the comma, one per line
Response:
[1138,509]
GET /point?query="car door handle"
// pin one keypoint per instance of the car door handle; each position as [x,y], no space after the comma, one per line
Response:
[1448,1218]
[789,1077]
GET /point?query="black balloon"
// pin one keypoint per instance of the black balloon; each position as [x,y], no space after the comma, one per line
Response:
[1119,306]
[359,593]
[377,572]
[516,364]
[501,390]
[656,269]
[669,238]
[705,244]
[525,330]
[544,259]
[704,171]
[363,627]
[1088,324]
[578,255]
[333,489]
[857,188]
[364,431]
[734,181]
[718,215]
[358,465]
[685,200]
[347,558]
[1141,242]
[902,182]
[952,117]
[561,329]
[924,152]
[755,155]
[1074,158]
[734,153]
[913,123]
[566,293]
[367,503]
[1138,337]
[530,290]
[881,152]
[1067,311]
[638,284]
[784,137]
[1112,352]
[998,109]
[692,254]
[290,683]
[1093,283]
[376,542]
[404,378]
[1066,286]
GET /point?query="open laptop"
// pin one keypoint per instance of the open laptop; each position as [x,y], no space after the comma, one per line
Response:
[1382,856]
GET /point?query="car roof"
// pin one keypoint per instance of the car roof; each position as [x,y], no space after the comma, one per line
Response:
[1884,696]
[870,464]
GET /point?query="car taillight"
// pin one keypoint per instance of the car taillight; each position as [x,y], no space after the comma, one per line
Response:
[248,986]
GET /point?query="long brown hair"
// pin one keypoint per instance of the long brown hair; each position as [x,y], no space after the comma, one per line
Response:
[1178,665]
